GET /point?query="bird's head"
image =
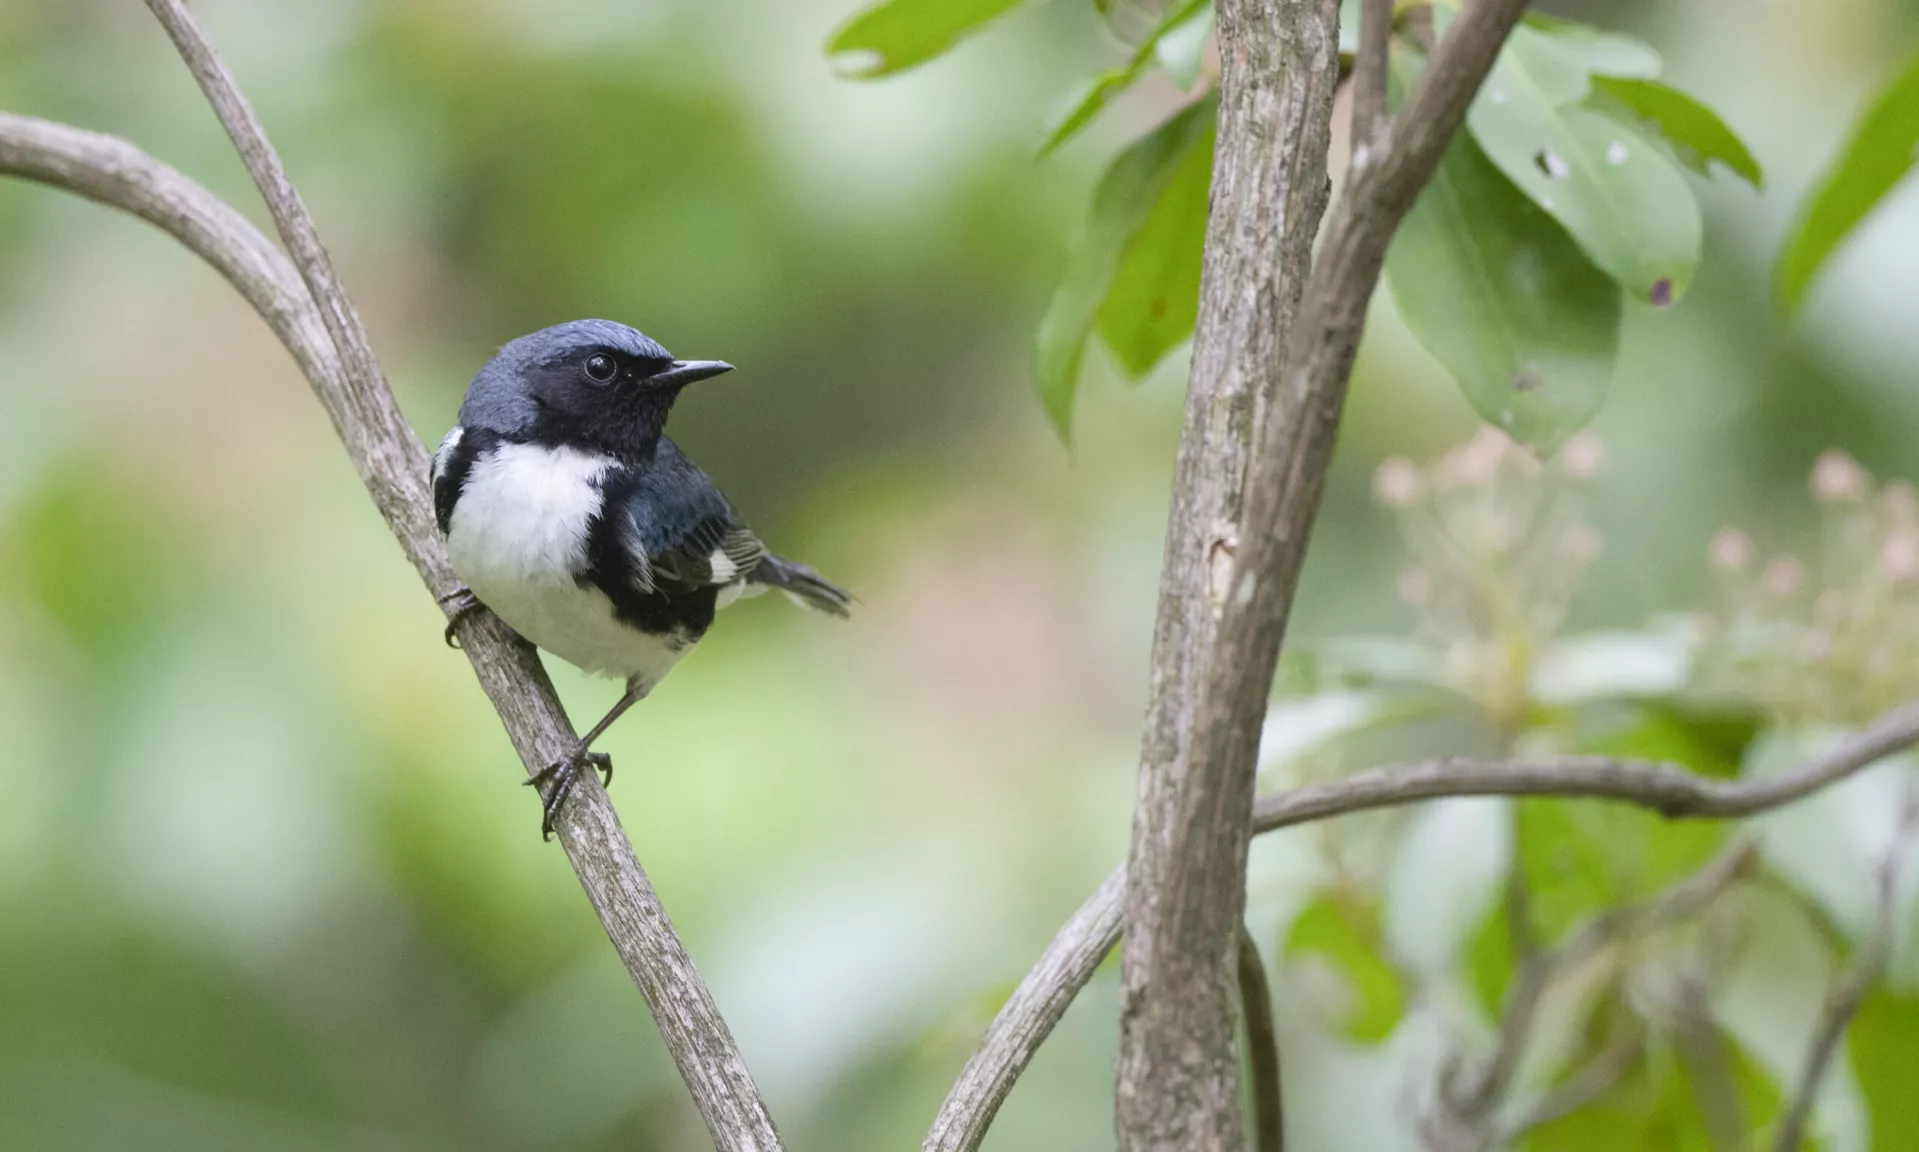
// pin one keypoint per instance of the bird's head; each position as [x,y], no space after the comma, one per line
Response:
[586,384]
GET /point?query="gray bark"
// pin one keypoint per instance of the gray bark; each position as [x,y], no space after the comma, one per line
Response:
[1177,1082]
[1273,352]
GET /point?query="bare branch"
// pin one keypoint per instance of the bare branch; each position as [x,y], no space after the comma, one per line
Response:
[1668,789]
[1076,951]
[1262,1048]
[1369,78]
[1229,580]
[1846,997]
[392,463]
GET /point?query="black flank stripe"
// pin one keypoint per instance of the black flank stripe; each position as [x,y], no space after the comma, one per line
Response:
[474,443]
[614,570]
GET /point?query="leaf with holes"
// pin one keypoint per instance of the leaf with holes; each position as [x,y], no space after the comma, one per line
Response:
[1127,194]
[1882,150]
[1500,296]
[1154,299]
[899,34]
[1625,204]
[1694,132]
[1102,89]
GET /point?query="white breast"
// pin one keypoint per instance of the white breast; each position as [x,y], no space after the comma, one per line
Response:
[518,539]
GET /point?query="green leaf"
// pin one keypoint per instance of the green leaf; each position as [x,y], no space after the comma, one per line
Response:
[1882,1041]
[1567,53]
[1695,132]
[1347,933]
[1126,195]
[1710,743]
[1491,961]
[1879,155]
[1101,90]
[1500,296]
[899,34]
[1154,300]
[1624,203]
[1181,49]
[1582,859]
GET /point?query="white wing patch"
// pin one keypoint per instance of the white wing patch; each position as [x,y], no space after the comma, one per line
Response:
[742,551]
[723,567]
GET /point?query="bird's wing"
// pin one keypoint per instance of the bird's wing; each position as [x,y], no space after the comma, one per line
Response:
[714,552]
[683,535]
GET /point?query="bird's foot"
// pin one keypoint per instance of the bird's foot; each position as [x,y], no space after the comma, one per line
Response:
[461,602]
[556,781]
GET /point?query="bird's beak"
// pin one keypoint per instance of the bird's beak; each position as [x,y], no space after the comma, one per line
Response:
[683,372]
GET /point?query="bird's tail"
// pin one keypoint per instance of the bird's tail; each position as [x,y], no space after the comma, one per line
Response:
[802,585]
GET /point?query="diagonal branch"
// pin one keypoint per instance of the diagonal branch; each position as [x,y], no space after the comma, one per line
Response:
[392,464]
[1668,789]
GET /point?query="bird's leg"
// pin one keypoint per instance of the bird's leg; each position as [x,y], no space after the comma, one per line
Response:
[462,603]
[562,773]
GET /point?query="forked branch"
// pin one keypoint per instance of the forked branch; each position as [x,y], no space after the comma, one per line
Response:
[330,347]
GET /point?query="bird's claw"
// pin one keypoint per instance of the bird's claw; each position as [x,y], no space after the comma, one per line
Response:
[556,781]
[460,603]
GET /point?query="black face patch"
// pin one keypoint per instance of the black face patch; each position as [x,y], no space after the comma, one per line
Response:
[620,416]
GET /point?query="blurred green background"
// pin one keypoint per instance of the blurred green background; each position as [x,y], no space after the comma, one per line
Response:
[267,878]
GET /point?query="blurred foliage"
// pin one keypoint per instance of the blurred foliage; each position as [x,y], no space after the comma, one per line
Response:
[1880,153]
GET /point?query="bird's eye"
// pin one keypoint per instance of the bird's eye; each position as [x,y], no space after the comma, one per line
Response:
[600,367]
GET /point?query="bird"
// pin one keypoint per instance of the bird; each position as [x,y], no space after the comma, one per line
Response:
[570,514]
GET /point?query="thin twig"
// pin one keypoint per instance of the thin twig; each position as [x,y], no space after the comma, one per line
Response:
[392,464]
[1593,1079]
[1027,1018]
[1703,1052]
[1369,79]
[366,395]
[1682,900]
[1262,1048]
[1849,993]
[1669,789]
